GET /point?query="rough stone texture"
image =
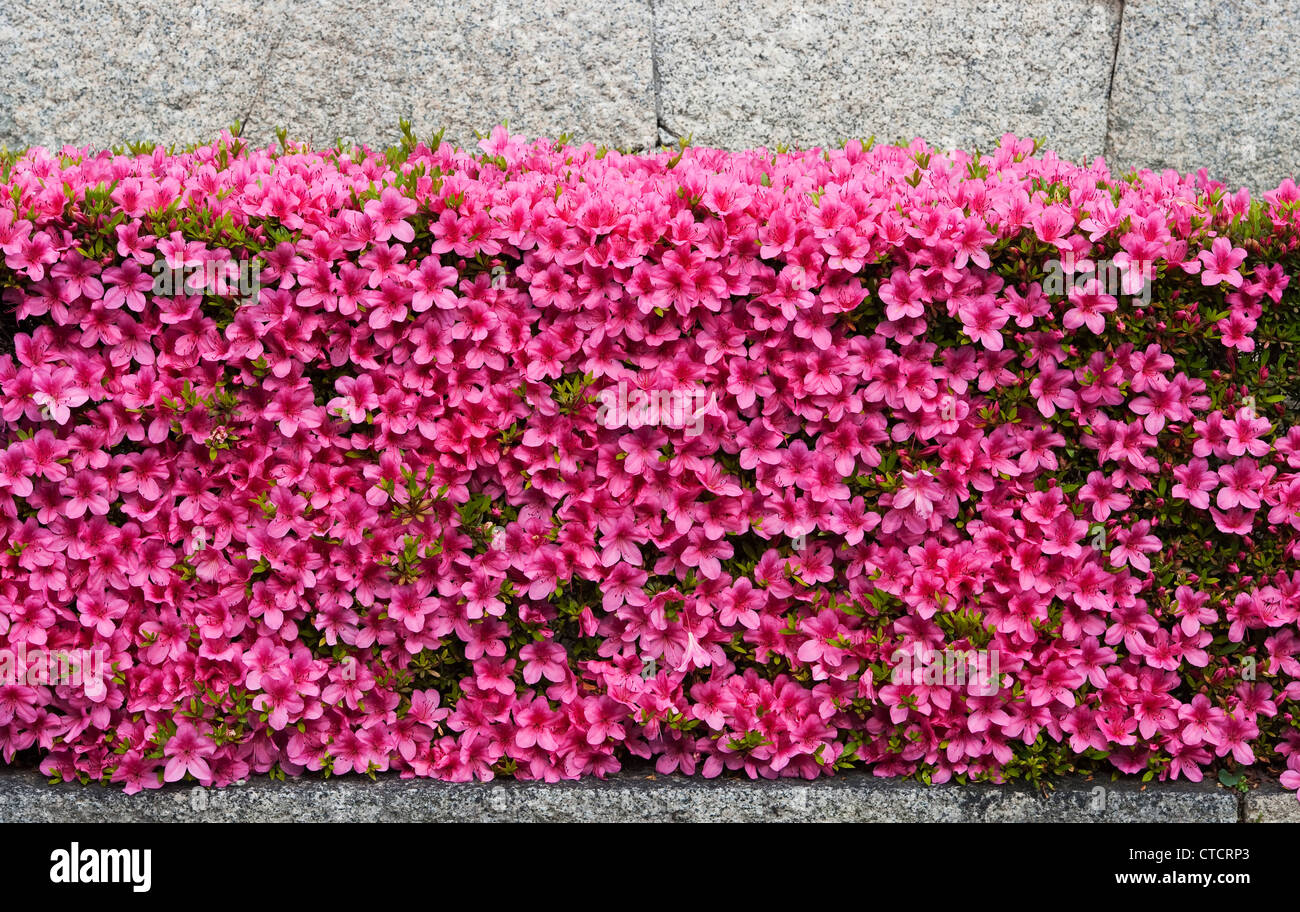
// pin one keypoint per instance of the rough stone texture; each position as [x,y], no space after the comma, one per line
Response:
[1179,83]
[632,797]
[544,66]
[106,72]
[960,73]
[1209,83]
[324,69]
[1270,803]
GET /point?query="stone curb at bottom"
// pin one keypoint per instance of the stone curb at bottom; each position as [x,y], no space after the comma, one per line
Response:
[855,797]
[1270,803]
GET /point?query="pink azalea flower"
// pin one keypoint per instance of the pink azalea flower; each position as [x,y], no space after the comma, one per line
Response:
[1221,262]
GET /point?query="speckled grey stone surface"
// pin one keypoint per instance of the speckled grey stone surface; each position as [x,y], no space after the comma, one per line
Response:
[855,797]
[958,72]
[102,71]
[1155,83]
[1209,83]
[545,67]
[106,72]
[1270,803]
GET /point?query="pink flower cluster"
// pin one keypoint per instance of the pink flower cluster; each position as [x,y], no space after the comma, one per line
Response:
[366,518]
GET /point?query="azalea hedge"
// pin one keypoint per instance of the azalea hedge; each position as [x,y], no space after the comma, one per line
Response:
[533,458]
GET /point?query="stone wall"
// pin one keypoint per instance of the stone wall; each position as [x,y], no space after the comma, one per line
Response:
[1148,83]
[854,796]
